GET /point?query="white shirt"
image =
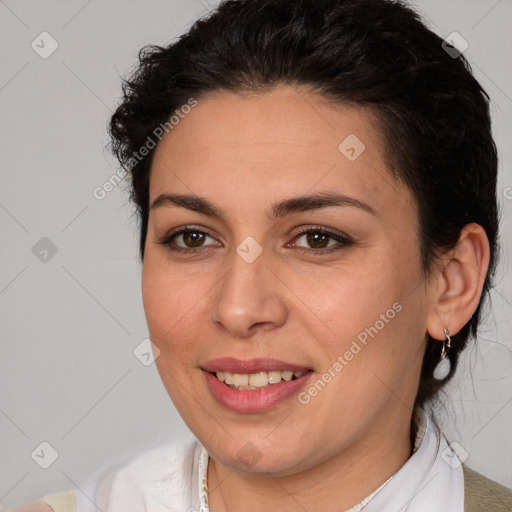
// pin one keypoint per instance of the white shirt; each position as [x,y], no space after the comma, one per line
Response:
[172,478]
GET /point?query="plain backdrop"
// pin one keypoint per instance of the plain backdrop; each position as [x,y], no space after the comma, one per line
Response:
[71,308]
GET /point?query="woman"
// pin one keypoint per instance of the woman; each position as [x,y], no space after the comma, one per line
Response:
[318,228]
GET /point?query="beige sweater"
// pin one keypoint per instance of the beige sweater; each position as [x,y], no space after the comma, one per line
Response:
[482,494]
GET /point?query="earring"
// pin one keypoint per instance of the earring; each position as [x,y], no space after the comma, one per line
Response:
[443,367]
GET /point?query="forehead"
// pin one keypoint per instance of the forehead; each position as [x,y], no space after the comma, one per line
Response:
[282,142]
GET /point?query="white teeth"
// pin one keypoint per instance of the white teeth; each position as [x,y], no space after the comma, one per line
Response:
[241,379]
[256,380]
[274,377]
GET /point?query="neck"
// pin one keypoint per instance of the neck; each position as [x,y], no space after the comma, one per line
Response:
[338,483]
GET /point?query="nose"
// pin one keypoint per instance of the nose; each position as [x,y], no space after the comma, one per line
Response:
[249,298]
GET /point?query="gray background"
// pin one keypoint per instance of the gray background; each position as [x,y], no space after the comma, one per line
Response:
[70,324]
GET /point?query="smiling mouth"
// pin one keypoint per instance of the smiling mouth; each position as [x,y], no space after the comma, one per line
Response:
[257,380]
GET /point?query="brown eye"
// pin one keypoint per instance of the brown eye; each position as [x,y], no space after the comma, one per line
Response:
[321,238]
[193,238]
[186,240]
[317,240]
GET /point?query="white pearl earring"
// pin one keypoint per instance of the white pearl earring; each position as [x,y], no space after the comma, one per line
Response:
[443,367]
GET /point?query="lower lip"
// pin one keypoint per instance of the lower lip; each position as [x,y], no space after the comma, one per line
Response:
[254,400]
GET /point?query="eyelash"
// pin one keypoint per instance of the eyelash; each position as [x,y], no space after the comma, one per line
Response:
[344,240]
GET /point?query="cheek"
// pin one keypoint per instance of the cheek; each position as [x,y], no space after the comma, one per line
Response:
[356,297]
[173,309]
[164,303]
[374,312]
[154,297]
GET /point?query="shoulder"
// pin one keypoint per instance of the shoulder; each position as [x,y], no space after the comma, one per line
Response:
[481,493]
[163,473]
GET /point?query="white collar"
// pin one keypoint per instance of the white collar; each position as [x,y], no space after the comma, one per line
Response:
[431,479]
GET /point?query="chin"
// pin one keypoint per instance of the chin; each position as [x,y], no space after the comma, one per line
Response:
[253,458]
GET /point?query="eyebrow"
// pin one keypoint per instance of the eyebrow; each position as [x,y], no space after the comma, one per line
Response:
[278,210]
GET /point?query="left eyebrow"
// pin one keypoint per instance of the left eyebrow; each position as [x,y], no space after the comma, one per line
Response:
[315,202]
[278,210]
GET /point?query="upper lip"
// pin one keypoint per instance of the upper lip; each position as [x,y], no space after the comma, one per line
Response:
[248,366]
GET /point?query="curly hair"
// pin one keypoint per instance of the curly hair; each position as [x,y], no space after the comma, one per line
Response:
[433,114]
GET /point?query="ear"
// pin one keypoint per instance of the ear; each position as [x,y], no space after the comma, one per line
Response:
[458,282]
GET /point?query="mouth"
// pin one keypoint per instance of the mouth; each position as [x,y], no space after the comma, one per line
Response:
[257,380]
[254,385]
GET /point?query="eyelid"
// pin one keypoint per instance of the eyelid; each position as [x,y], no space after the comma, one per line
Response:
[172,235]
[343,239]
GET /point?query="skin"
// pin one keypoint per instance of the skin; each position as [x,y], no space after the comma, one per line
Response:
[244,153]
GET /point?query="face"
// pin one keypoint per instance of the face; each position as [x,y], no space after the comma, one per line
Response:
[243,274]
